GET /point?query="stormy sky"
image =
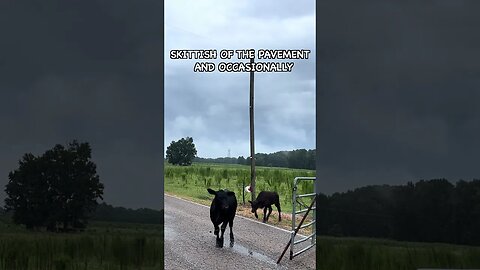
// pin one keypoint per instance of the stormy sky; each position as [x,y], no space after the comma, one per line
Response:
[91,71]
[213,108]
[398,92]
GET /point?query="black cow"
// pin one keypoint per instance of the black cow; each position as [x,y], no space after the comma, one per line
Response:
[223,209]
[265,200]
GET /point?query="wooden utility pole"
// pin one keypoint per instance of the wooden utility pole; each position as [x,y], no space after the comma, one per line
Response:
[252,138]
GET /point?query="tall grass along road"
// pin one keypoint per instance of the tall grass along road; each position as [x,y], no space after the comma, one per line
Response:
[103,246]
[190,242]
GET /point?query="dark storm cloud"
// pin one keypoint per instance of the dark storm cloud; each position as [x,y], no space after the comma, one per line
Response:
[398,92]
[86,70]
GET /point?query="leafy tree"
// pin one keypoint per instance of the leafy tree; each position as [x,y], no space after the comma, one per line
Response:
[26,193]
[59,188]
[181,152]
[241,160]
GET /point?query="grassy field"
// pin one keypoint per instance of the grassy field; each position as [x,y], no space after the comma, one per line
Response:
[372,254]
[106,246]
[193,181]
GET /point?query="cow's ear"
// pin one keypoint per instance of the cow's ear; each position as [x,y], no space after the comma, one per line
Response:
[231,193]
[211,191]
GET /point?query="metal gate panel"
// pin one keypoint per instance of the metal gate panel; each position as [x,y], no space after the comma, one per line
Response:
[295,201]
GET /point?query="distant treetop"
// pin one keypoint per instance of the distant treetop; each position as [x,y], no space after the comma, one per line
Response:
[181,152]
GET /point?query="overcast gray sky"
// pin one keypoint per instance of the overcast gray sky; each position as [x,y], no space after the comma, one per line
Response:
[398,92]
[86,70]
[213,108]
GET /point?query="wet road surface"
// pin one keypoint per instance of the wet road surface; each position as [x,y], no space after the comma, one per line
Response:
[190,242]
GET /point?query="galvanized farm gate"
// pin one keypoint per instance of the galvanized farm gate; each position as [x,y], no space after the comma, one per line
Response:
[298,208]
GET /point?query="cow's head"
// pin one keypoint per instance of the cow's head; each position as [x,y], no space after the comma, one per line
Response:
[254,205]
[221,198]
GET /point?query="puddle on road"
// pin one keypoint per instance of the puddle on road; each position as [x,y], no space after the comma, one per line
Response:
[237,248]
[169,233]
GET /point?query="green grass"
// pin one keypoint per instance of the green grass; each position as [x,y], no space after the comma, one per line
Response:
[372,254]
[102,246]
[193,181]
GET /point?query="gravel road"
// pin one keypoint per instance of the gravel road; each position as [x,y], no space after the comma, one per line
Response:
[190,242]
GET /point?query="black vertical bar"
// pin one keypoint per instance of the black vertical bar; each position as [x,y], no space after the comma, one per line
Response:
[252,138]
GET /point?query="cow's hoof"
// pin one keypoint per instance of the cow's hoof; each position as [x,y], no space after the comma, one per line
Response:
[219,243]
[232,243]
[264,221]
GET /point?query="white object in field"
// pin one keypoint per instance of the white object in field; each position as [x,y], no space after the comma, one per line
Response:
[247,189]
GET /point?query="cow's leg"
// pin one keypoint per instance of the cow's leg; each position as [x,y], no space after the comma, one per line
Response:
[220,241]
[265,214]
[216,230]
[231,232]
[256,214]
[277,204]
[269,211]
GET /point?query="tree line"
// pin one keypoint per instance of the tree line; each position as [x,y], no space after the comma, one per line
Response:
[296,159]
[183,152]
[106,212]
[427,211]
